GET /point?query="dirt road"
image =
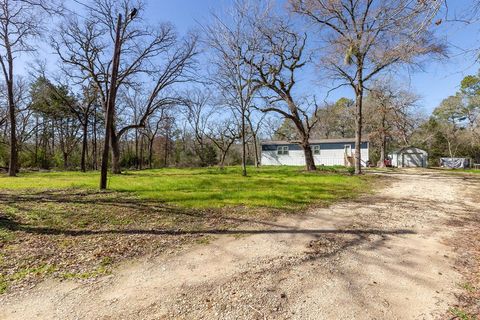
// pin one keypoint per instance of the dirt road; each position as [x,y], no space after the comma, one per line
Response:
[383,256]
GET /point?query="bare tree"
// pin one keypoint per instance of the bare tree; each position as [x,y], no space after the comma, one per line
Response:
[230,38]
[148,54]
[26,128]
[277,61]
[255,125]
[363,38]
[160,122]
[389,110]
[223,134]
[21,23]
[198,113]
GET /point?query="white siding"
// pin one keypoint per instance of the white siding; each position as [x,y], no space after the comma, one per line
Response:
[327,157]
[394,160]
[409,157]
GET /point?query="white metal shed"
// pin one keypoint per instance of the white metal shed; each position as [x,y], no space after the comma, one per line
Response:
[409,157]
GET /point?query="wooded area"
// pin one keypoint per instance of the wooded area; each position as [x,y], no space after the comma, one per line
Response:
[208,97]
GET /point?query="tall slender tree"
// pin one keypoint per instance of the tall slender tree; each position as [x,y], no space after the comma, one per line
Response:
[21,24]
[363,38]
[229,38]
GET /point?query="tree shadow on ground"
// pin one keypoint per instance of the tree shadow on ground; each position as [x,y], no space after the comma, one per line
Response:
[152,208]
[11,225]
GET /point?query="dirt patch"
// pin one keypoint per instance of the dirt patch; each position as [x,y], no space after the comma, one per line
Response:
[83,235]
[383,256]
[466,244]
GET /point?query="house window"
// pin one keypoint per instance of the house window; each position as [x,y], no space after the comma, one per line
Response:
[316,149]
[282,150]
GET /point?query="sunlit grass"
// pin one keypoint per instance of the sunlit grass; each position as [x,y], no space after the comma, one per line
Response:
[272,187]
[59,224]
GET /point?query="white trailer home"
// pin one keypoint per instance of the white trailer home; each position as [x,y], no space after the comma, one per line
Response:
[328,152]
[409,157]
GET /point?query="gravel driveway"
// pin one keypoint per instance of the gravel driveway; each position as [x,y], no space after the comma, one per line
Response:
[382,256]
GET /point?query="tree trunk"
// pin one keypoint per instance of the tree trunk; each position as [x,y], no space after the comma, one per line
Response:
[83,165]
[53,140]
[44,164]
[116,169]
[165,159]
[222,160]
[136,147]
[309,160]
[94,147]
[110,109]
[150,153]
[255,148]
[65,160]
[381,162]
[13,163]
[358,129]
[305,136]
[244,151]
[36,141]
[383,143]
[142,144]
[12,112]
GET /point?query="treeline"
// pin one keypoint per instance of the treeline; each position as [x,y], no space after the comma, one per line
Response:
[453,130]
[62,130]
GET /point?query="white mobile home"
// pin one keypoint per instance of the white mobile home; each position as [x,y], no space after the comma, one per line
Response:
[328,152]
[409,157]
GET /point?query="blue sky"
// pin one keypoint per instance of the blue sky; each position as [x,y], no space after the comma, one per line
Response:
[438,80]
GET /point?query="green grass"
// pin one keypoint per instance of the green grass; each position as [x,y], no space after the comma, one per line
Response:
[461,314]
[102,270]
[42,213]
[474,171]
[471,171]
[271,187]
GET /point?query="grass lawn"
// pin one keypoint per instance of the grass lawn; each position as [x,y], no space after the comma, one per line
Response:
[460,171]
[272,187]
[469,171]
[59,224]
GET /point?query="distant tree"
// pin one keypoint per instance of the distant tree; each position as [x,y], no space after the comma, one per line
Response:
[229,38]
[450,119]
[255,123]
[223,135]
[454,127]
[336,120]
[470,92]
[390,116]
[198,114]
[286,131]
[56,105]
[21,24]
[363,38]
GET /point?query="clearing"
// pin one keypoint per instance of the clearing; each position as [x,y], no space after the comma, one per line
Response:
[396,254]
[57,224]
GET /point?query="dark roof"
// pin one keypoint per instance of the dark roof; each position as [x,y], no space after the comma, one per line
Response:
[313,141]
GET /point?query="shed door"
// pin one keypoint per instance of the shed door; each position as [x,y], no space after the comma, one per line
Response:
[412,160]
